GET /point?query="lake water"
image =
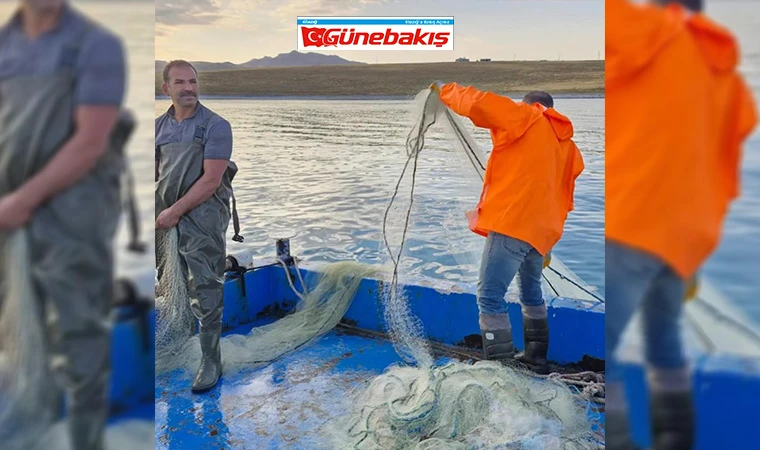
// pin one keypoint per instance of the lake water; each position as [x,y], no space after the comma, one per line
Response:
[735,265]
[324,171]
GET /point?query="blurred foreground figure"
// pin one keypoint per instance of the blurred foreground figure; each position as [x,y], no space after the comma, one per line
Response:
[62,82]
[677,114]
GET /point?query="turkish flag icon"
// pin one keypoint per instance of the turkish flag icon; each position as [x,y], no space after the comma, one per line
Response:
[312,36]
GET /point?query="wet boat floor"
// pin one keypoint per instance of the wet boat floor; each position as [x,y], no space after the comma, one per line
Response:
[289,404]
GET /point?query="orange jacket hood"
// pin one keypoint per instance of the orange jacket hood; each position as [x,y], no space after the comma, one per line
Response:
[637,33]
[561,125]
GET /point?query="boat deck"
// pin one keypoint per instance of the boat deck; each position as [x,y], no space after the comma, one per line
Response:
[287,404]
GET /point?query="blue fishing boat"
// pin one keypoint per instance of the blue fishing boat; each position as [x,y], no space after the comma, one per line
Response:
[274,406]
[133,355]
[256,409]
[723,347]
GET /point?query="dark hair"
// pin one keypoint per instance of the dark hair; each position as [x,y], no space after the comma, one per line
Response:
[539,97]
[177,63]
[693,5]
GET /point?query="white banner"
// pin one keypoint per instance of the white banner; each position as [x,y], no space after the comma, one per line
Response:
[375,33]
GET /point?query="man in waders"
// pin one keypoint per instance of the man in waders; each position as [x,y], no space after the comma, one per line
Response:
[62,82]
[193,189]
[527,194]
[677,115]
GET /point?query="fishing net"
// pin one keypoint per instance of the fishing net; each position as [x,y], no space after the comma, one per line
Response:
[424,405]
[318,311]
[175,323]
[460,405]
[25,402]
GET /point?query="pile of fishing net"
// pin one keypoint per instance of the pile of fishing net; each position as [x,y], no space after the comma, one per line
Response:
[462,406]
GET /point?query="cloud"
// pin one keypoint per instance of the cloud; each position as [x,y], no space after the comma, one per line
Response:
[211,12]
[254,19]
[188,12]
[162,31]
[217,13]
[291,9]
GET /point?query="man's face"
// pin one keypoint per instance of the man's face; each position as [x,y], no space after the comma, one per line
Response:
[182,87]
[43,5]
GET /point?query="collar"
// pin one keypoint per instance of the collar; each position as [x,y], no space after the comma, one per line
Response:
[198,108]
[67,15]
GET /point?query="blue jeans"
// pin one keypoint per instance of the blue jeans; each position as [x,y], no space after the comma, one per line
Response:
[503,258]
[637,279]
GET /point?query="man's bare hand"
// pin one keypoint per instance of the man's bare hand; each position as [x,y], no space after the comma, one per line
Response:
[14,211]
[167,219]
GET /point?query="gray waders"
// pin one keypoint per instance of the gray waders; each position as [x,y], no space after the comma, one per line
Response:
[70,241]
[201,243]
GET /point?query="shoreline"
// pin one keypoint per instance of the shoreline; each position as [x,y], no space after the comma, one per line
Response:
[574,79]
[513,95]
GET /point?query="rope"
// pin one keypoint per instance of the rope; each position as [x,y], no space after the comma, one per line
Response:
[414,146]
[477,163]
[305,292]
[576,284]
[720,316]
[590,385]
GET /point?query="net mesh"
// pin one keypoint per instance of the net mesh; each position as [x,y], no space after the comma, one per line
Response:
[175,323]
[459,405]
[25,403]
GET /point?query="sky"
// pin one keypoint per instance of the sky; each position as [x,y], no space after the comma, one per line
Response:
[240,30]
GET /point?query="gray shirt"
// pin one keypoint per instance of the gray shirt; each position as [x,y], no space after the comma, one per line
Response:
[217,138]
[100,65]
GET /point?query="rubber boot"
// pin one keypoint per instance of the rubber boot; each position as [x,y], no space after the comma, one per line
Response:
[617,435]
[496,331]
[211,363]
[87,431]
[497,344]
[672,416]
[536,334]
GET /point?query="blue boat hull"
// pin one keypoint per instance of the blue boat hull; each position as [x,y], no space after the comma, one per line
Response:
[725,387]
[273,407]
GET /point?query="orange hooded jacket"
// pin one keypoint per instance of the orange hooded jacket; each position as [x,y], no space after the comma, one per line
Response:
[530,177]
[677,113]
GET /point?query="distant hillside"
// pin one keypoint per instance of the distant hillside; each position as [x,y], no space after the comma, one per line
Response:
[292,59]
[557,77]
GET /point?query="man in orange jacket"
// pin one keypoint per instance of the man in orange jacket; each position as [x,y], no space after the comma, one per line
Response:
[677,114]
[527,194]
